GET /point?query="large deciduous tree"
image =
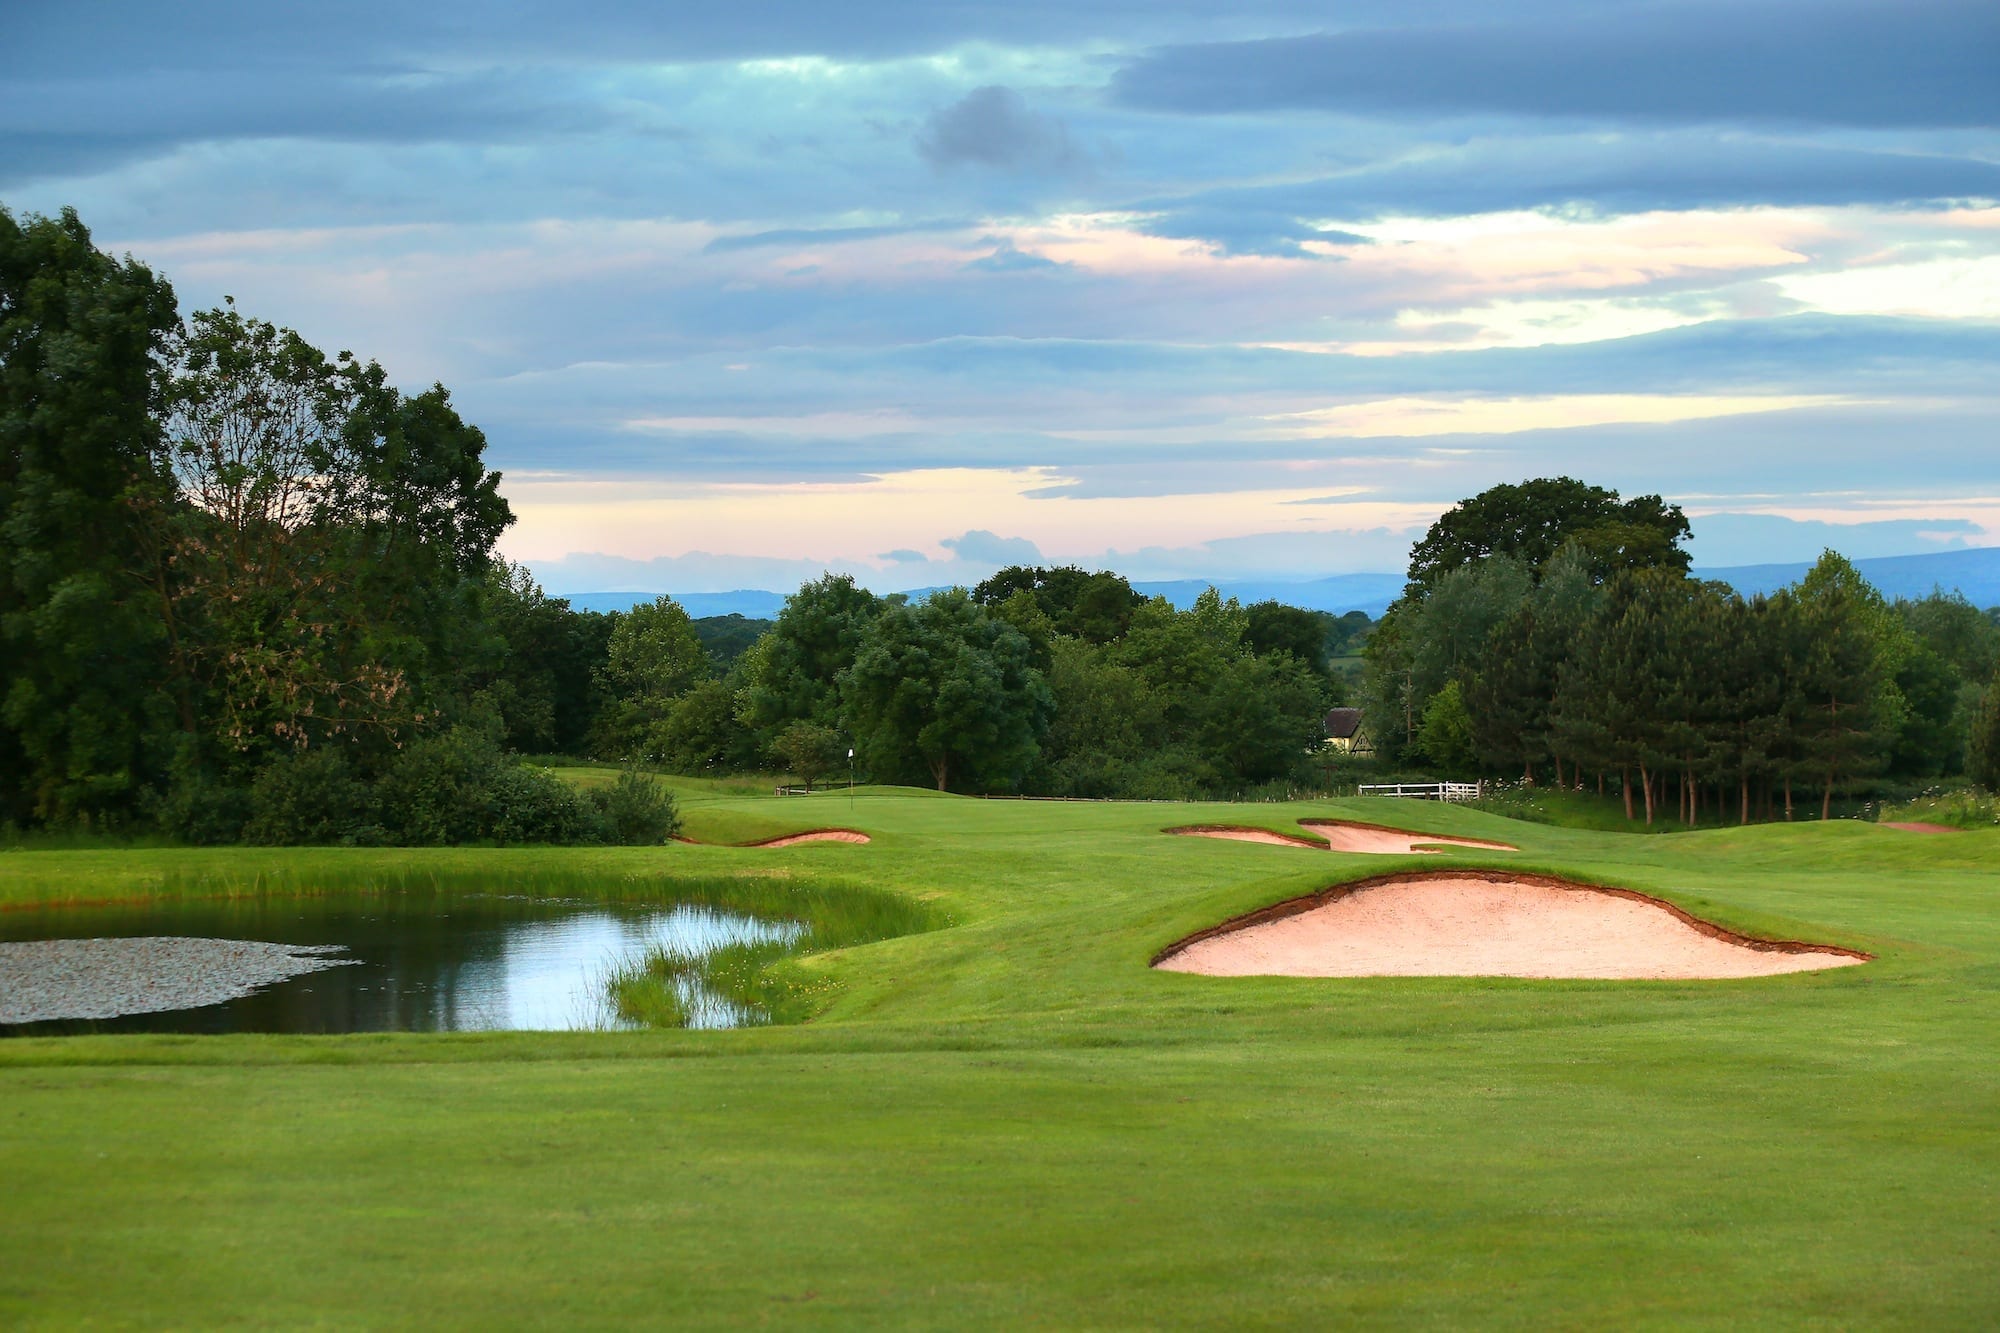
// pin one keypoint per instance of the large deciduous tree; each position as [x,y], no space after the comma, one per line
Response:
[946,689]
[792,673]
[324,547]
[1533,520]
[80,334]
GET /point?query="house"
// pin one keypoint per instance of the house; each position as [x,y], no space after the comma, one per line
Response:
[1345,733]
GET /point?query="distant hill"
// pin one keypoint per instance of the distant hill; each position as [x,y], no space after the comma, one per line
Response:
[750,602]
[1342,592]
[1974,572]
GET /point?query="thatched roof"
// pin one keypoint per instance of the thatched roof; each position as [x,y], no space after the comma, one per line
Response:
[1342,723]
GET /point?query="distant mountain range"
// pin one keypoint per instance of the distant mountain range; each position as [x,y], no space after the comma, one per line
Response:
[1975,572]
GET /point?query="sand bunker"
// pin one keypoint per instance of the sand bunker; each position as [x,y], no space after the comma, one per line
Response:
[1344,836]
[817,835]
[1458,924]
[1232,833]
[1924,828]
[1373,839]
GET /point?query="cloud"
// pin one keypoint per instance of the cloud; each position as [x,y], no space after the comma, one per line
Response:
[1607,174]
[1857,64]
[978,545]
[1005,258]
[903,557]
[801,236]
[992,127]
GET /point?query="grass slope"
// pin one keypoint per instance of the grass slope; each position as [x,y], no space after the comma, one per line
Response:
[1013,1120]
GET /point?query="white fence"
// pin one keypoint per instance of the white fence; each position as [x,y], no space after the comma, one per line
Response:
[1427,791]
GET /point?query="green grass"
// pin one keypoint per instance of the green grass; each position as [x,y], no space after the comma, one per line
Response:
[1010,1120]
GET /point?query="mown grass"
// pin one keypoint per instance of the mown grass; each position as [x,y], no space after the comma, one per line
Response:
[1012,1120]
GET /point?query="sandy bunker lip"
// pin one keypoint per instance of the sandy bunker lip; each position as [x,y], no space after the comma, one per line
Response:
[790,839]
[1343,835]
[1465,923]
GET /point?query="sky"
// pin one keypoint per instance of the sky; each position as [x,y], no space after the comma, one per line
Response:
[915,288]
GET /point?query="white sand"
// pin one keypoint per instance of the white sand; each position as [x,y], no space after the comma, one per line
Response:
[817,835]
[1372,840]
[1455,926]
[1245,835]
[1366,839]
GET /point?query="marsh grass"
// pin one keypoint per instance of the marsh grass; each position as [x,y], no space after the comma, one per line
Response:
[750,983]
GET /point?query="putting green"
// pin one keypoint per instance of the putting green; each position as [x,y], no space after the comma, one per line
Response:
[1015,1120]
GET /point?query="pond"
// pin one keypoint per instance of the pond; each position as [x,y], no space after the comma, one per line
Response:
[418,962]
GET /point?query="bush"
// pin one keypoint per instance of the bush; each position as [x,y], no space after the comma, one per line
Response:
[534,805]
[198,808]
[312,796]
[1982,750]
[637,810]
[441,789]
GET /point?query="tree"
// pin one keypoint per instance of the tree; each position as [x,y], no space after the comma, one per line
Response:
[651,659]
[1446,734]
[1108,728]
[323,553]
[1982,746]
[1096,608]
[1535,519]
[946,689]
[809,750]
[545,679]
[701,731]
[1846,696]
[793,672]
[83,718]
[1274,627]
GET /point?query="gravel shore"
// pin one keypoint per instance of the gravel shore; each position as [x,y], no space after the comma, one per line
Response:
[45,979]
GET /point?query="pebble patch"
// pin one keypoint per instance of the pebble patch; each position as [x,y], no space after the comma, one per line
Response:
[104,978]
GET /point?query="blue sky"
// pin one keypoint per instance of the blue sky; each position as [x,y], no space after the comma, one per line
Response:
[913,289]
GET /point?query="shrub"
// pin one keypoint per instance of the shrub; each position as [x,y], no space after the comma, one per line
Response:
[638,811]
[312,796]
[198,808]
[1982,750]
[534,805]
[441,789]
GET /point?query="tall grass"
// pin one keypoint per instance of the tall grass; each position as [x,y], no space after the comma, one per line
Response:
[759,981]
[1967,808]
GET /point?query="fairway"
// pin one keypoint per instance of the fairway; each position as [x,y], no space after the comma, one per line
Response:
[1013,1120]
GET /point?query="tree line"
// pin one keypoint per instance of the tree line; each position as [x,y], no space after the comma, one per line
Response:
[1040,681]
[1552,633]
[249,590]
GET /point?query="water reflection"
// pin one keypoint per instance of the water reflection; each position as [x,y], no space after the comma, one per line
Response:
[424,963]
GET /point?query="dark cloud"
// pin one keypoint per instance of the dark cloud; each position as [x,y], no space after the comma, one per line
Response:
[993,127]
[89,124]
[1866,64]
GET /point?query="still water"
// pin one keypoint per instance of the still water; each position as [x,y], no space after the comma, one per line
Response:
[421,962]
